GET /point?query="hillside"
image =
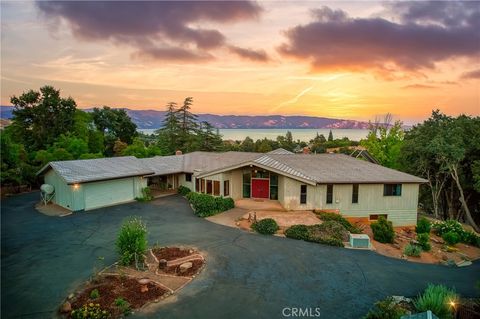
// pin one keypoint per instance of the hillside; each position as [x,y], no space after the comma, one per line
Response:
[152,119]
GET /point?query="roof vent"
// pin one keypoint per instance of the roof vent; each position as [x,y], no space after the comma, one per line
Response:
[178,152]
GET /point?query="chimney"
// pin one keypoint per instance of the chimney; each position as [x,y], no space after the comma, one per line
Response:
[178,152]
[306,150]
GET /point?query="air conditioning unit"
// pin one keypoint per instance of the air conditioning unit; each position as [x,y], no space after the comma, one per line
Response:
[360,241]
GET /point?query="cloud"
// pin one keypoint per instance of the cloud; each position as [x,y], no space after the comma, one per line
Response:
[474,74]
[419,86]
[422,38]
[157,29]
[250,54]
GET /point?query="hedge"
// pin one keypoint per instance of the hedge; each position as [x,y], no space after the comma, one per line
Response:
[340,219]
[183,190]
[206,205]
[330,233]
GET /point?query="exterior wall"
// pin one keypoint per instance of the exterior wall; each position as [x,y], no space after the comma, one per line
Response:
[139,183]
[401,210]
[235,180]
[63,192]
[182,181]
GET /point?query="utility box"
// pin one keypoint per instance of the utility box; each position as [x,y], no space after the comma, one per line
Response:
[423,315]
[360,241]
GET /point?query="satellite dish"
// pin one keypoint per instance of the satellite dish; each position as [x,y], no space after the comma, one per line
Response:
[47,192]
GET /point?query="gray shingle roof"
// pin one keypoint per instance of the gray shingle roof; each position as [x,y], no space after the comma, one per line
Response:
[80,171]
[280,151]
[311,168]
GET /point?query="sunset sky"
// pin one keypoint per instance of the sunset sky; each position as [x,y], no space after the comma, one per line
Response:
[350,60]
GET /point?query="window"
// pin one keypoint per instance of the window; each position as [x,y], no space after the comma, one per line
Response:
[303,194]
[375,216]
[226,188]
[202,185]
[258,173]
[246,184]
[329,193]
[354,193]
[209,187]
[392,190]
[188,177]
[216,188]
[273,186]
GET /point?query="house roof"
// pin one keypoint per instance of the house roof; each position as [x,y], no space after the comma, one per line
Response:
[280,151]
[308,168]
[90,170]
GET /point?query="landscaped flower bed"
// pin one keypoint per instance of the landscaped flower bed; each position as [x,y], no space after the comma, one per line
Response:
[178,261]
[104,292]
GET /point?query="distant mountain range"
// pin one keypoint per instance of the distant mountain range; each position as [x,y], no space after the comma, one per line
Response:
[151,119]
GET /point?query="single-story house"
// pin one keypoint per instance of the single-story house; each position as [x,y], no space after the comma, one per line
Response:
[332,182]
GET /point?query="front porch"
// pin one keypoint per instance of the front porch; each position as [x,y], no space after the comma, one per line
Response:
[162,185]
[259,204]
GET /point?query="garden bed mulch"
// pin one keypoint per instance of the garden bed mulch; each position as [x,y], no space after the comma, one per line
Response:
[111,287]
[139,287]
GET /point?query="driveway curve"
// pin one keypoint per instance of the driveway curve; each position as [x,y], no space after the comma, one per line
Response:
[247,275]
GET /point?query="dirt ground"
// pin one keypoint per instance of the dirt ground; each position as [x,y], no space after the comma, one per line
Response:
[287,219]
[438,253]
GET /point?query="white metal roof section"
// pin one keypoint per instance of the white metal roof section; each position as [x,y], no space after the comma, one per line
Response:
[277,165]
[280,151]
[80,171]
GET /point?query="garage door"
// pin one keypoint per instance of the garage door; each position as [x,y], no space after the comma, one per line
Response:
[108,193]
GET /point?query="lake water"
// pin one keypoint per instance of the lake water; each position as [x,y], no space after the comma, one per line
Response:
[298,134]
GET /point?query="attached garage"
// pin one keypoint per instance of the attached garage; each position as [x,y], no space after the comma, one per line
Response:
[90,184]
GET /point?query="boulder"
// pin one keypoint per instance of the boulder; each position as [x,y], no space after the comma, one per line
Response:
[66,307]
[464,263]
[162,264]
[185,267]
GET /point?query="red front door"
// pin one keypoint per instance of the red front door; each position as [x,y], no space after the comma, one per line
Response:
[260,188]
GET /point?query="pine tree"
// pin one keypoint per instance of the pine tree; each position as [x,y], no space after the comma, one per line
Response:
[170,131]
[330,136]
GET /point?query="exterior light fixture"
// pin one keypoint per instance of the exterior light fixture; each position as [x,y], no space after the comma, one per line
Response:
[76,186]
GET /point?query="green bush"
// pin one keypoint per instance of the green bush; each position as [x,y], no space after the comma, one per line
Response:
[437,298]
[470,238]
[340,219]
[451,238]
[183,190]
[89,311]
[132,241]
[146,195]
[123,306]
[206,205]
[386,309]
[266,226]
[424,241]
[297,232]
[94,294]
[450,225]
[383,230]
[412,250]
[423,226]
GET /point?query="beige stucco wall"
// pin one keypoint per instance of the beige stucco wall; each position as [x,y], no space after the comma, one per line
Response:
[401,210]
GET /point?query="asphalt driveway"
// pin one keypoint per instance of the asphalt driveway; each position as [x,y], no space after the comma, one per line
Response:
[247,275]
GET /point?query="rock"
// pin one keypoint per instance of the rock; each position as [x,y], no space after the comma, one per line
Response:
[162,264]
[66,307]
[143,281]
[397,246]
[70,296]
[190,251]
[185,266]
[464,263]
[399,299]
[444,257]
[143,288]
[450,263]
[438,241]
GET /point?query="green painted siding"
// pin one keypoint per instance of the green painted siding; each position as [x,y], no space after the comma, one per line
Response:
[107,193]
[63,192]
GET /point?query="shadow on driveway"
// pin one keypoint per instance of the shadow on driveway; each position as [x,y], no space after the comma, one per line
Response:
[247,275]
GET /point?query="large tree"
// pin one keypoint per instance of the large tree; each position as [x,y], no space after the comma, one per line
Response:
[168,135]
[39,117]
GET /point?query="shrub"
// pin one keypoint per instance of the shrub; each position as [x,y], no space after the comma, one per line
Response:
[383,230]
[183,190]
[436,298]
[132,242]
[329,233]
[89,311]
[146,195]
[266,226]
[340,219]
[423,226]
[94,294]
[297,232]
[424,241]
[448,226]
[386,309]
[470,238]
[123,306]
[412,250]
[451,238]
[206,205]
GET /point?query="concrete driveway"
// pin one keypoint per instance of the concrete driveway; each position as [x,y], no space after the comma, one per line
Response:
[247,275]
